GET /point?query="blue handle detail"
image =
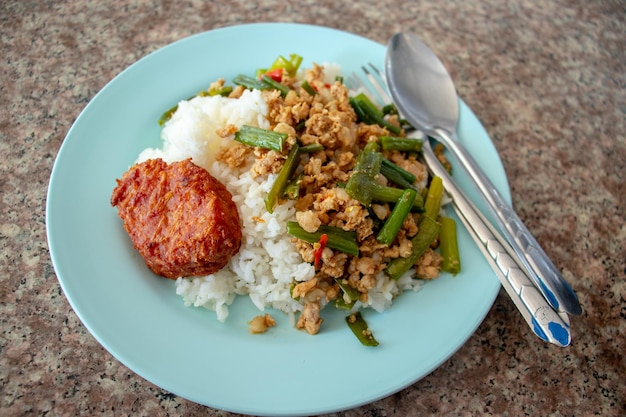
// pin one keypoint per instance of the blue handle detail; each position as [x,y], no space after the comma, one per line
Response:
[549,295]
[539,331]
[559,332]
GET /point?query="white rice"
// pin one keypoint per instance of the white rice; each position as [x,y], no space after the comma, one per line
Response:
[191,132]
[268,262]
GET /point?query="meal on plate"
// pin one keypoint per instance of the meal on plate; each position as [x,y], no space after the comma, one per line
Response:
[292,189]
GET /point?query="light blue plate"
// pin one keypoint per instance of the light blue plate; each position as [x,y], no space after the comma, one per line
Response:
[138,317]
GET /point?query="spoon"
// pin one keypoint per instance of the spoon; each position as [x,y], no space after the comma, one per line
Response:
[425,94]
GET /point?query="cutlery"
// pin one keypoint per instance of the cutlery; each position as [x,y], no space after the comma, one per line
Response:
[424,92]
[545,322]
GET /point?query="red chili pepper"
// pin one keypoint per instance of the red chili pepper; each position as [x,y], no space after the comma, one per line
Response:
[275,74]
[318,249]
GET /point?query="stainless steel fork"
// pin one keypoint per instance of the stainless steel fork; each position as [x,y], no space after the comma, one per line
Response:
[545,322]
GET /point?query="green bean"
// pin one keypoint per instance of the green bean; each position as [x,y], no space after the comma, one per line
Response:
[308,88]
[276,85]
[250,82]
[397,175]
[282,179]
[371,114]
[314,147]
[391,143]
[338,239]
[365,190]
[361,330]
[362,185]
[292,190]
[341,304]
[167,115]
[348,297]
[351,292]
[390,109]
[394,222]
[263,138]
[405,174]
[360,113]
[432,205]
[448,246]
[387,194]
[426,235]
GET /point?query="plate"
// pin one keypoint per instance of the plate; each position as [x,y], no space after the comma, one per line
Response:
[138,317]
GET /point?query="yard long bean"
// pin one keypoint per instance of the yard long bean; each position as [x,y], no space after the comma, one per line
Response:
[361,330]
[394,222]
[448,246]
[432,205]
[282,179]
[338,238]
[370,114]
[400,177]
[263,138]
[391,143]
[428,232]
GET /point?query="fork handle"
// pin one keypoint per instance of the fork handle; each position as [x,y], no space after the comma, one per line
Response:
[540,268]
[540,316]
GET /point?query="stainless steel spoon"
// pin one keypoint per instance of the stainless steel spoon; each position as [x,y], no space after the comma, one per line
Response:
[425,94]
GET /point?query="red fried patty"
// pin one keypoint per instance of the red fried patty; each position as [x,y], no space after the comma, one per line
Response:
[180,218]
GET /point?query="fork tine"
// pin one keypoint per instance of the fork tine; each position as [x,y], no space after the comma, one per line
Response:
[378,82]
[358,84]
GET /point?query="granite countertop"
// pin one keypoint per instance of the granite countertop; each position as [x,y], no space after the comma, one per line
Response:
[545,78]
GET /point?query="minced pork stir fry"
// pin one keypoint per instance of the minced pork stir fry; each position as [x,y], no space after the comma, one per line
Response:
[368,217]
[346,174]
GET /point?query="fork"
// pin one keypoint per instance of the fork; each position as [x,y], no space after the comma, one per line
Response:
[545,322]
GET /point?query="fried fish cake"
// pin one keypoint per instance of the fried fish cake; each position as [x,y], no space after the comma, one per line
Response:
[180,218]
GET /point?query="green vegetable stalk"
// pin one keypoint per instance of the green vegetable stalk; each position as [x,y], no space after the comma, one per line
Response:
[308,88]
[314,147]
[370,114]
[432,206]
[362,185]
[338,238]
[263,138]
[284,90]
[394,222]
[250,82]
[428,232]
[448,246]
[282,180]
[391,143]
[400,177]
[366,191]
[348,296]
[361,330]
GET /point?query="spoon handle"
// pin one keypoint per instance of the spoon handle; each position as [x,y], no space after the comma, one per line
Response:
[544,321]
[542,271]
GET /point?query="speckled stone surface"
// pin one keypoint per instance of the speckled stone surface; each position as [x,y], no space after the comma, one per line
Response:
[547,79]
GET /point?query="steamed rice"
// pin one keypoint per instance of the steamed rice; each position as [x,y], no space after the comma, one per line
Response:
[268,262]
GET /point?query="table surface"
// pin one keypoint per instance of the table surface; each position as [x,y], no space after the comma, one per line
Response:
[547,80]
